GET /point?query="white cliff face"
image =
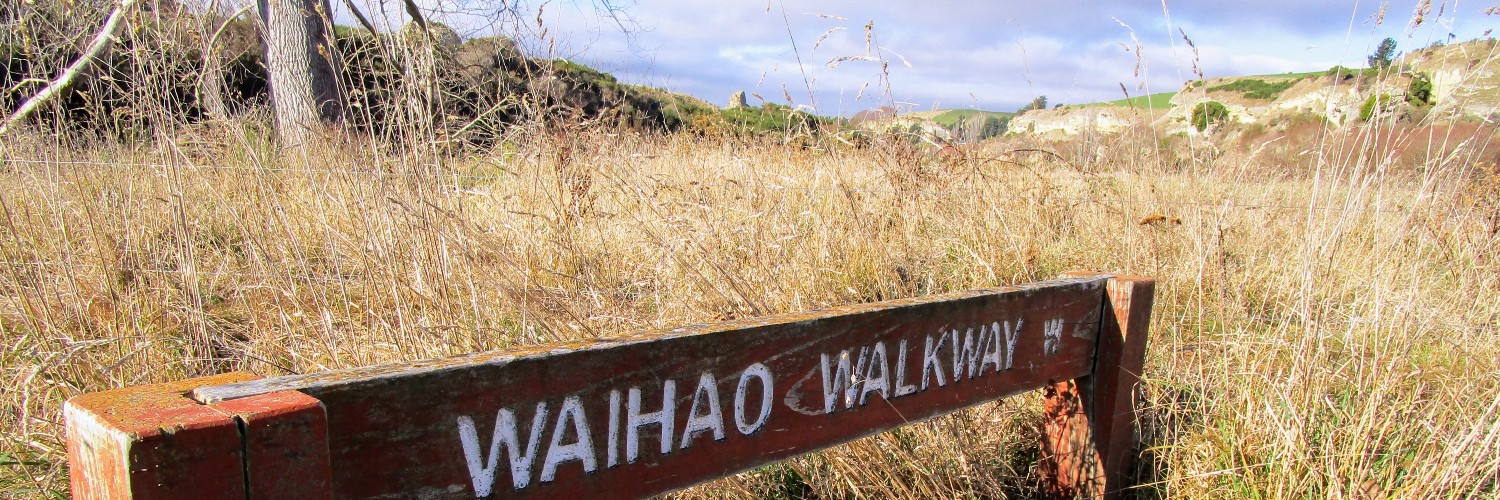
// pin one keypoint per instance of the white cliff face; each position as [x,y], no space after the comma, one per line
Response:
[1464,76]
[1067,121]
[1338,101]
[1465,81]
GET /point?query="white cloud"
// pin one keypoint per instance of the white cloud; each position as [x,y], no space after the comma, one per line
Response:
[993,55]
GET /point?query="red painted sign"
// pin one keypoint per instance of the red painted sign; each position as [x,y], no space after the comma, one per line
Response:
[664,410]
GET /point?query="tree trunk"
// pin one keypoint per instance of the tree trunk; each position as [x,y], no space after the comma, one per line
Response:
[300,62]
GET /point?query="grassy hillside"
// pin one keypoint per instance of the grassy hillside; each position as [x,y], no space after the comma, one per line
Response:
[948,118]
[1287,75]
[1254,86]
[1153,101]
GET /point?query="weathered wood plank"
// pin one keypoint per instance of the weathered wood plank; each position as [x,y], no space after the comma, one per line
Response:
[153,442]
[663,410]
[1090,422]
[284,436]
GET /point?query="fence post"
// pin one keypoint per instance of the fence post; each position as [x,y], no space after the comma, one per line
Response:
[1089,422]
[154,441]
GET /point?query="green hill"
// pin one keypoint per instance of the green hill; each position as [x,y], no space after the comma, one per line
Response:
[951,117]
[1161,100]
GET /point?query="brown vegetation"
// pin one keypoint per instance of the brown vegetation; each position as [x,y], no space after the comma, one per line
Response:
[1325,322]
[1326,313]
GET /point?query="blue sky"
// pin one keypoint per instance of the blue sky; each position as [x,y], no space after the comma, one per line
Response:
[937,54]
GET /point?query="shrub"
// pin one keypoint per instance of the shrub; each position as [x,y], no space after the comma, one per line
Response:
[772,118]
[1343,73]
[1419,91]
[1257,89]
[1039,103]
[1209,113]
[1368,110]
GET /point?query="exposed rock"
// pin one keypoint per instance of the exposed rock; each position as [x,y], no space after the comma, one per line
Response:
[1327,96]
[737,100]
[1465,82]
[1073,120]
[885,120]
[1465,76]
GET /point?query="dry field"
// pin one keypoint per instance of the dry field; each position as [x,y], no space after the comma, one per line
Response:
[1327,319]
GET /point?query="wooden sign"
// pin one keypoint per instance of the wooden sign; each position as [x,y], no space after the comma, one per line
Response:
[654,412]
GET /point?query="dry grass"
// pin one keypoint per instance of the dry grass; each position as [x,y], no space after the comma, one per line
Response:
[1326,324]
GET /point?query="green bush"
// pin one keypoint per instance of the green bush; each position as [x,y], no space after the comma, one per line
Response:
[772,118]
[1256,89]
[1419,91]
[1367,111]
[1343,73]
[1209,113]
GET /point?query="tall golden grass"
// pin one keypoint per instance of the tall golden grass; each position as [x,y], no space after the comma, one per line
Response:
[1326,321]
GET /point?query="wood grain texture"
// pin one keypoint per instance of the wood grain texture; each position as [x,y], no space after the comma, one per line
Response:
[153,441]
[1089,423]
[285,445]
[593,419]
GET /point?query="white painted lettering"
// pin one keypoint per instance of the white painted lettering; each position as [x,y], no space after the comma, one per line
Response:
[1052,335]
[872,382]
[992,348]
[838,383]
[930,362]
[712,419]
[481,469]
[859,374]
[902,388]
[582,449]
[612,450]
[972,351]
[958,370]
[634,420]
[763,373]
[1011,335]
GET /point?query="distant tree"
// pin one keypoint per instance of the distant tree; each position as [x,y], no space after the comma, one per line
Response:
[1383,54]
[1039,103]
[993,127]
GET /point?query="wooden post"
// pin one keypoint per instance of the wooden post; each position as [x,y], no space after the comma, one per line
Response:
[153,441]
[1089,422]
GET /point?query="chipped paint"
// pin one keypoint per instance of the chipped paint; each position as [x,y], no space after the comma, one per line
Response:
[650,413]
[661,410]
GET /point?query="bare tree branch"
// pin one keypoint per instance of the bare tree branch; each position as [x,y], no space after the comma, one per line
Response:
[69,76]
[363,21]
